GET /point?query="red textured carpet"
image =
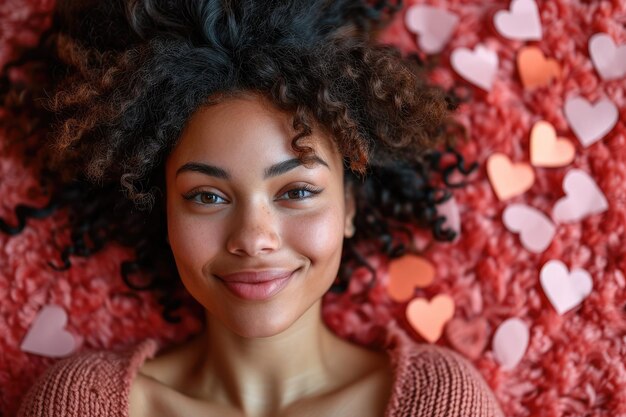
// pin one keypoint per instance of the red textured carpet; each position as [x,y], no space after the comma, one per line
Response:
[575,362]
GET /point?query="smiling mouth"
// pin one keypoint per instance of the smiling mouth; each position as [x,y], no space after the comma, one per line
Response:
[258,290]
[256,277]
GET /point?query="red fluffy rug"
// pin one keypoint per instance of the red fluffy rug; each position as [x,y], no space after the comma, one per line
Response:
[574,361]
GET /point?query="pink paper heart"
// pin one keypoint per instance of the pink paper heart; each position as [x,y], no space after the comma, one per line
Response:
[510,342]
[47,337]
[522,22]
[468,337]
[535,228]
[450,210]
[609,60]
[434,26]
[582,198]
[564,289]
[590,122]
[478,67]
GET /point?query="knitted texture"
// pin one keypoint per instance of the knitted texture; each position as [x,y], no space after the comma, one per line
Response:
[432,380]
[89,383]
[429,380]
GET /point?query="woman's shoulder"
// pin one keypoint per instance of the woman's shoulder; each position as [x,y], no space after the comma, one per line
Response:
[90,382]
[435,380]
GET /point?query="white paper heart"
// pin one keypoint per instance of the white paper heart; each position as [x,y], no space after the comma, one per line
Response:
[433,26]
[47,336]
[450,210]
[478,67]
[608,58]
[535,228]
[582,198]
[522,22]
[510,342]
[590,122]
[564,289]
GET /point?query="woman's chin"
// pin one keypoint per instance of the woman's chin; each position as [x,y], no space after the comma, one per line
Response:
[262,323]
[261,329]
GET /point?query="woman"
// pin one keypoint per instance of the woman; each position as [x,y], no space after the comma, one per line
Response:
[255,143]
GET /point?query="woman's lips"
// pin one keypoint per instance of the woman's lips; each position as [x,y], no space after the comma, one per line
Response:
[259,290]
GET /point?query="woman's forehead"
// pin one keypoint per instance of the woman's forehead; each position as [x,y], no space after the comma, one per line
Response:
[247,131]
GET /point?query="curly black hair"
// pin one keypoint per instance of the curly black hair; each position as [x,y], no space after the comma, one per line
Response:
[126,75]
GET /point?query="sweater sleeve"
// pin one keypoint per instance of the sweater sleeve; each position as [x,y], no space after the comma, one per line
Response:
[437,381]
[90,383]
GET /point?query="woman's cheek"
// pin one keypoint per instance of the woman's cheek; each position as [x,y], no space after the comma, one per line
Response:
[193,242]
[316,235]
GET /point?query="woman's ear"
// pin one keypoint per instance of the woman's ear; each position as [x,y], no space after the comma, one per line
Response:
[350,205]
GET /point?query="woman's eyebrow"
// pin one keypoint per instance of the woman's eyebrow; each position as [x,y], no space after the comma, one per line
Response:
[272,171]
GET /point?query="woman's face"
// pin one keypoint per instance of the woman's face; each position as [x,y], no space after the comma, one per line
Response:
[228,212]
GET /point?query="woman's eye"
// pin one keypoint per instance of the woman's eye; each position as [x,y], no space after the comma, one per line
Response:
[302,193]
[206,198]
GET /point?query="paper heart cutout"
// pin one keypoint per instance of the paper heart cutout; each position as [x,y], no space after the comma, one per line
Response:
[608,59]
[590,122]
[450,210]
[546,150]
[522,22]
[47,337]
[582,198]
[535,228]
[508,179]
[478,66]
[429,319]
[433,26]
[535,69]
[564,289]
[407,273]
[468,337]
[510,342]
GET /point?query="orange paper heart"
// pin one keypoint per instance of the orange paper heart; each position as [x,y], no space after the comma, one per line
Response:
[428,319]
[546,150]
[534,69]
[508,179]
[407,273]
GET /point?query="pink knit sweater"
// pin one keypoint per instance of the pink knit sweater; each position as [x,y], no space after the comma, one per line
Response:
[429,380]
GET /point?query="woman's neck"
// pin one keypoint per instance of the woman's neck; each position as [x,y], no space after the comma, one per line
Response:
[262,376]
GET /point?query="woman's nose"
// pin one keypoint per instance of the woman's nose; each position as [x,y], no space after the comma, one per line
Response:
[254,230]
